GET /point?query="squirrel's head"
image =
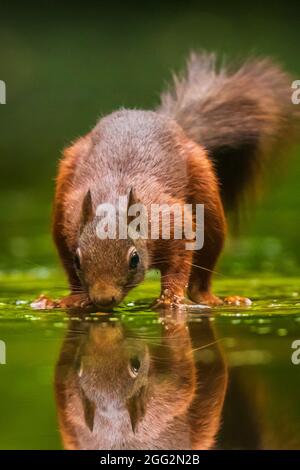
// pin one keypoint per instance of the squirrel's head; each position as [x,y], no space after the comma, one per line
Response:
[108,268]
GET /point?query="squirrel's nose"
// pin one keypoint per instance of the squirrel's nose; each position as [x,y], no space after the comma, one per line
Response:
[103,296]
[106,301]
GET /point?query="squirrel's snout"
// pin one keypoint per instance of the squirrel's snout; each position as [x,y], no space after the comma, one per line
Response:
[106,302]
[104,297]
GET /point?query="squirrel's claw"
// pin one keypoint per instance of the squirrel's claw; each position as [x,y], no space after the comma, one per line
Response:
[169,300]
[237,301]
[44,303]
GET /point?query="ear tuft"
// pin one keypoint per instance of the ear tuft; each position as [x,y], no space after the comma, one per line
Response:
[87,213]
[132,197]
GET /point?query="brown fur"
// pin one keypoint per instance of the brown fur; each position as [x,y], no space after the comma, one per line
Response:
[242,116]
[205,144]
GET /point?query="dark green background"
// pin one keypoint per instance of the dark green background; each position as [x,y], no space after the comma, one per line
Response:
[65,66]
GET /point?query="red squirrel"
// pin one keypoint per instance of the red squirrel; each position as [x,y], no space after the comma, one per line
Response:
[204,144]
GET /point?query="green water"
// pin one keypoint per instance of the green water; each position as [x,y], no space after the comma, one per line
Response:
[262,396]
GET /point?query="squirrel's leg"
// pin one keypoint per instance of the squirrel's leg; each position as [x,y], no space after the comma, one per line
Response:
[203,189]
[199,287]
[175,267]
[205,259]
[66,259]
[204,262]
[77,297]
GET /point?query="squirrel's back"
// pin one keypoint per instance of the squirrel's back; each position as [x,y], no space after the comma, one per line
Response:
[134,148]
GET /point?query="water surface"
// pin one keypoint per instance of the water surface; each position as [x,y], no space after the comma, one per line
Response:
[196,378]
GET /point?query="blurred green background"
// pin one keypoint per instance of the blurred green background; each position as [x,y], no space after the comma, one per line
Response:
[65,66]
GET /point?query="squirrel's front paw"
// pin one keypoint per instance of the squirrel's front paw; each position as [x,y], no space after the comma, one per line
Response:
[170,300]
[75,301]
[70,301]
[44,303]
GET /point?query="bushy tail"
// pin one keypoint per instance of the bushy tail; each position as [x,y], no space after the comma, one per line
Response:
[240,116]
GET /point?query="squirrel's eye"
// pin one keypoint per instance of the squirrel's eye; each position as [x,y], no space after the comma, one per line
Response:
[134,260]
[134,366]
[77,259]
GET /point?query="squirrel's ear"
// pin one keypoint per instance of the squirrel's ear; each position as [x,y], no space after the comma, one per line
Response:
[132,199]
[87,214]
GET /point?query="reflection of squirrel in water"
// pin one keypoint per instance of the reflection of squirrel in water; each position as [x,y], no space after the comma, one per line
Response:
[205,143]
[119,391]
